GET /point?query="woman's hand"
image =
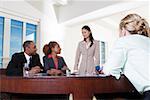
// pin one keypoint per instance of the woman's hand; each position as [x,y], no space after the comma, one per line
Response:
[100,72]
[55,72]
[75,68]
[65,68]
[75,72]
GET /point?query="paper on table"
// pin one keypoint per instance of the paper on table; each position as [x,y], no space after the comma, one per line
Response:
[103,75]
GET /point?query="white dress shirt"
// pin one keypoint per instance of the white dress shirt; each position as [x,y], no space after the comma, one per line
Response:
[131,57]
[27,58]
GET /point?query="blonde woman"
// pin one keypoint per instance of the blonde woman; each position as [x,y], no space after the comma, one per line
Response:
[131,54]
[89,50]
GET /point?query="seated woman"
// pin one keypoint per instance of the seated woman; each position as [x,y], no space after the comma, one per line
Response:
[131,54]
[54,64]
[49,66]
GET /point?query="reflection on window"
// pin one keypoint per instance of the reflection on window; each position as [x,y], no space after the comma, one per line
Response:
[16,36]
[31,32]
[1,39]
[102,52]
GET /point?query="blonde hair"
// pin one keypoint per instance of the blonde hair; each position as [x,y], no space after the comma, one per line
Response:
[135,24]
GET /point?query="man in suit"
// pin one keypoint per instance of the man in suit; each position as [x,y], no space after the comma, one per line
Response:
[29,56]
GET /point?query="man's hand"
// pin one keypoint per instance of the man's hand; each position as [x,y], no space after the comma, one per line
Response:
[35,70]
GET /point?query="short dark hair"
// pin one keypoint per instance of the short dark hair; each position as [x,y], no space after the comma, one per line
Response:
[26,44]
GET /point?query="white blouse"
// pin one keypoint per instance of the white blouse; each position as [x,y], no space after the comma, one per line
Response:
[131,57]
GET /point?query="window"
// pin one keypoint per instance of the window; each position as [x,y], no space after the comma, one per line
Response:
[102,52]
[14,31]
[16,36]
[1,39]
[31,32]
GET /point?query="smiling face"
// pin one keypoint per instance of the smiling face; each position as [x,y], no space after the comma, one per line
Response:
[86,33]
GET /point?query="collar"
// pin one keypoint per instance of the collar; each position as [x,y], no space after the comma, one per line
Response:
[49,56]
[27,56]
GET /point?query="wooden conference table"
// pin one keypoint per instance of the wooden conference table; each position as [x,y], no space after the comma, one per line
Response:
[82,88]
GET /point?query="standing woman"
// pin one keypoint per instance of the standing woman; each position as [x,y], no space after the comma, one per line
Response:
[89,49]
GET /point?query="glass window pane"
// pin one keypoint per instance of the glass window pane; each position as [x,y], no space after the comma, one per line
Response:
[1,39]
[16,36]
[31,32]
[102,52]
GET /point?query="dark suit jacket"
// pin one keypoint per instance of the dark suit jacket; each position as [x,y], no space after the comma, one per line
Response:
[15,66]
[49,63]
[44,58]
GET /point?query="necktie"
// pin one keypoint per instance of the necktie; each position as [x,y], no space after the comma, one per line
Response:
[30,62]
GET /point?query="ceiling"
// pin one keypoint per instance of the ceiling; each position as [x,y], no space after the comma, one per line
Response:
[98,11]
[68,9]
[114,20]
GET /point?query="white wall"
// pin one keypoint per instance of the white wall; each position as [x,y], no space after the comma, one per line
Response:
[49,28]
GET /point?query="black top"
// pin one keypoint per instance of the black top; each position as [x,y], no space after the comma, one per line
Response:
[49,63]
[16,64]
